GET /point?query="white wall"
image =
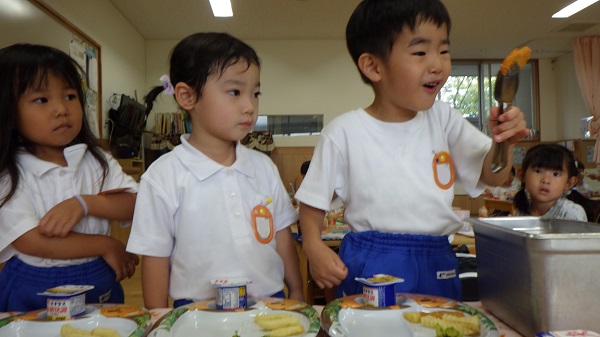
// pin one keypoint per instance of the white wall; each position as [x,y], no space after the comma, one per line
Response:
[548,110]
[123,50]
[569,103]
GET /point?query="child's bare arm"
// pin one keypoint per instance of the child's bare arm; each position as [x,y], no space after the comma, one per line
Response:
[76,246]
[155,281]
[112,206]
[287,250]
[61,218]
[326,267]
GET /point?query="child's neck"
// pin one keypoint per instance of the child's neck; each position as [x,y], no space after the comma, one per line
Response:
[221,152]
[50,154]
[539,209]
[388,113]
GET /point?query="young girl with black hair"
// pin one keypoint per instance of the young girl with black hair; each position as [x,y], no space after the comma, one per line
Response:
[196,213]
[548,173]
[59,188]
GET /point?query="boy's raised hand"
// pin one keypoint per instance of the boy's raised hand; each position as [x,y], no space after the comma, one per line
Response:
[510,126]
[61,218]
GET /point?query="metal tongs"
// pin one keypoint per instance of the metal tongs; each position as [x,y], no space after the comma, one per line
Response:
[504,92]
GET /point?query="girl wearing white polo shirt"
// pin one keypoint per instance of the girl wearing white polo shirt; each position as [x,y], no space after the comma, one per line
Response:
[211,208]
[54,179]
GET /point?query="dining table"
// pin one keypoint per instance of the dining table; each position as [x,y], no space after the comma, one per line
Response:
[157,314]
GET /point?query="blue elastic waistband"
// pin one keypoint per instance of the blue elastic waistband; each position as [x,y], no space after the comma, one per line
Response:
[84,272]
[379,241]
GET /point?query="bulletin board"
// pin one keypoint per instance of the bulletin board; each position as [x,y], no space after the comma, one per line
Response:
[44,25]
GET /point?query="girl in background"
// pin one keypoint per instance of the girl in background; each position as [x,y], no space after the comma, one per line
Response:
[548,173]
[580,185]
[58,188]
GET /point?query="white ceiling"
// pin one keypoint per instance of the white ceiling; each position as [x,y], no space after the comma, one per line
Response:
[480,28]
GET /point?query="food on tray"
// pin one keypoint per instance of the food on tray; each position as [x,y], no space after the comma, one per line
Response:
[381,278]
[67,330]
[519,56]
[270,317]
[272,324]
[466,325]
[415,316]
[287,331]
[65,302]
[448,332]
[279,325]
[105,332]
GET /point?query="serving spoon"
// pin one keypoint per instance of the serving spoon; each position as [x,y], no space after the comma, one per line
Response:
[504,92]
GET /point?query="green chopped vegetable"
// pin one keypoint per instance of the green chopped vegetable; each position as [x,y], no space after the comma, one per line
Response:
[448,332]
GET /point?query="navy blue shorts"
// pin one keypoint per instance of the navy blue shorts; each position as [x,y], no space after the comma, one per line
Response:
[20,283]
[427,263]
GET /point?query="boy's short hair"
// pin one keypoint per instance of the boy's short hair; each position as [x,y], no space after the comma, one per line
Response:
[375,24]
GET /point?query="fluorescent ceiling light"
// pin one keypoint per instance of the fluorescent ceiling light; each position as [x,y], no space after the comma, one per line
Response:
[222,8]
[15,8]
[573,8]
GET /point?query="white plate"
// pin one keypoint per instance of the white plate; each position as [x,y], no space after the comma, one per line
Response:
[202,319]
[127,322]
[351,317]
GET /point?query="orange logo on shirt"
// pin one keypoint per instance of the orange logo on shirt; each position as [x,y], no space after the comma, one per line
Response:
[443,170]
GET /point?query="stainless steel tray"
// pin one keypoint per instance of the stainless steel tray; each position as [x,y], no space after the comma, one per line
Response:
[539,275]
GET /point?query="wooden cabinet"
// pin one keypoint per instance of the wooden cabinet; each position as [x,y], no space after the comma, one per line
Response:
[467,202]
[583,150]
[288,161]
[132,166]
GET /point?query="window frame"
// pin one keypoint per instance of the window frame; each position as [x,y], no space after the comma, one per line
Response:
[535,94]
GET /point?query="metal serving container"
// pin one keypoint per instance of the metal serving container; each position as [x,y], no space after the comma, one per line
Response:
[539,275]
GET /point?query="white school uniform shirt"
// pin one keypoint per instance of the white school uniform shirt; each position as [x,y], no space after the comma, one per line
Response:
[396,177]
[563,208]
[198,213]
[43,184]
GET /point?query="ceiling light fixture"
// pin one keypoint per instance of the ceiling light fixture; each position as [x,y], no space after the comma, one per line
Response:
[573,8]
[222,8]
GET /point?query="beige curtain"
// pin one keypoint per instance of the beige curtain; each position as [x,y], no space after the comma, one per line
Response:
[586,55]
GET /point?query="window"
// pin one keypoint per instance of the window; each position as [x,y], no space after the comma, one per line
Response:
[290,125]
[470,89]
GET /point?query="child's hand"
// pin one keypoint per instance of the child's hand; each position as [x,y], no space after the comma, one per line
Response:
[510,126]
[122,262]
[61,218]
[326,267]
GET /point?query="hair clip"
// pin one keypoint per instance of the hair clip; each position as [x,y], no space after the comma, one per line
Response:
[167,85]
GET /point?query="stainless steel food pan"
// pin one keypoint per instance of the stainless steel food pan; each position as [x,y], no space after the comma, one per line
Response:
[539,275]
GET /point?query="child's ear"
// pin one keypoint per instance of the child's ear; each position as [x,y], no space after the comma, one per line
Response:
[369,66]
[184,95]
[571,183]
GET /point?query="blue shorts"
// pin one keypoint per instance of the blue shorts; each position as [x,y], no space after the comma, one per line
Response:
[427,263]
[20,283]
